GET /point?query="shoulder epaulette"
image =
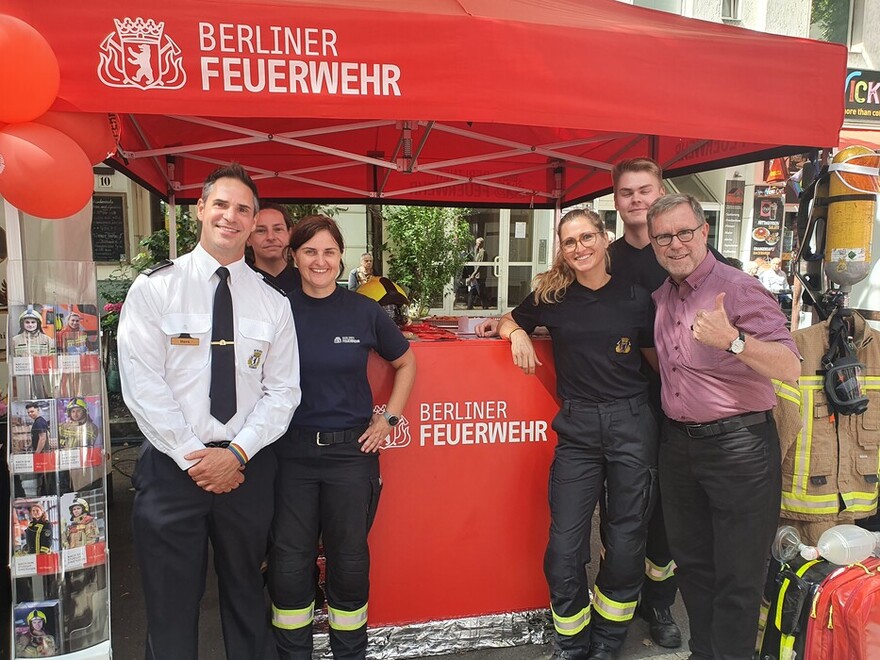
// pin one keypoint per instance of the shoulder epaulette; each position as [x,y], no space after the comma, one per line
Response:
[272,284]
[155,268]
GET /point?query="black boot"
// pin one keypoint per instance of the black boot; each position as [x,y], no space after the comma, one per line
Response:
[664,631]
[600,651]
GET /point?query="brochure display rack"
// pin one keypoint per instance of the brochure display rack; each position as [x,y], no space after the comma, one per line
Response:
[57,437]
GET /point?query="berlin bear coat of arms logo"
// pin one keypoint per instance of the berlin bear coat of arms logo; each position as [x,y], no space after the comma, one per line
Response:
[139,54]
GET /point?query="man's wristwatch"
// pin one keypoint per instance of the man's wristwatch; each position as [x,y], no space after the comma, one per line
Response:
[391,419]
[738,345]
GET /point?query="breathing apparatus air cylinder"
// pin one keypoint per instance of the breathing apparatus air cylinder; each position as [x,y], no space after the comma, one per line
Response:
[852,209]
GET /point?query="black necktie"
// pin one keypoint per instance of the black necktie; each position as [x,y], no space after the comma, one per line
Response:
[222,391]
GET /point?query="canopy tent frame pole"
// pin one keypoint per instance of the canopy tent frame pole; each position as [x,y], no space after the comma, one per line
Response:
[252,136]
[172,213]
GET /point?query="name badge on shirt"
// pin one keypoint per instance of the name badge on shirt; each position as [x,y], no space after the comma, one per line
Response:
[184,340]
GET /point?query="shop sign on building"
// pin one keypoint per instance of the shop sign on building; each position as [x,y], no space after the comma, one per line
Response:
[767,228]
[862,96]
[734,197]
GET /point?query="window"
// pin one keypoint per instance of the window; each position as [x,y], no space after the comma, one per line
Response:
[672,6]
[831,20]
[730,10]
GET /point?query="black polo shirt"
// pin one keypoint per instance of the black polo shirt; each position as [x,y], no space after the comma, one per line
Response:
[335,336]
[287,280]
[640,265]
[597,338]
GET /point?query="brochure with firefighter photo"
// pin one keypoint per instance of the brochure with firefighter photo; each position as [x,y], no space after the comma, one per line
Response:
[36,629]
[35,536]
[80,432]
[76,338]
[83,538]
[31,332]
[80,422]
[33,432]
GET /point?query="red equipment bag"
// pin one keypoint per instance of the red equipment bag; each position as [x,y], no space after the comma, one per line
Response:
[846,615]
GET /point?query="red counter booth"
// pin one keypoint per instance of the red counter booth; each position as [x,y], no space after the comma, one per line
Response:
[463,519]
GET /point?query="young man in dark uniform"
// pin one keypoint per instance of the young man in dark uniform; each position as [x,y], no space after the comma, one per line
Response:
[637,183]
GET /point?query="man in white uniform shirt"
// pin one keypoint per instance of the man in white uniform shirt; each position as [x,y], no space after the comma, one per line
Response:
[207,406]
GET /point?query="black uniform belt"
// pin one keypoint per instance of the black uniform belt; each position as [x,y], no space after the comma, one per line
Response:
[218,445]
[323,438]
[725,425]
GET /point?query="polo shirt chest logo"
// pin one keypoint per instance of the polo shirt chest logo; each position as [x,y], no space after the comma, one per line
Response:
[624,345]
[254,360]
[346,340]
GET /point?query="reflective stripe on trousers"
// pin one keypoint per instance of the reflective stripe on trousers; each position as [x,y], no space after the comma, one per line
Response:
[613,610]
[293,619]
[659,573]
[571,625]
[344,620]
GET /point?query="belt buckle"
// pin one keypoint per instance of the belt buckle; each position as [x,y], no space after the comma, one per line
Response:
[318,440]
[694,430]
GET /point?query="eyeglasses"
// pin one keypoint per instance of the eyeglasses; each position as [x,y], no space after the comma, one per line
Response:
[587,239]
[685,236]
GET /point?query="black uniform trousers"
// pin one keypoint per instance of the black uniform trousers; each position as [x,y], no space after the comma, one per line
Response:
[330,491]
[172,520]
[659,587]
[722,498]
[611,445]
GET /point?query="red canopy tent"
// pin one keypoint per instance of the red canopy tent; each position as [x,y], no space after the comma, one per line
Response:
[478,102]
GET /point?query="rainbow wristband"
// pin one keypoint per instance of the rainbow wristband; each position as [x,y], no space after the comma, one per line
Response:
[238,452]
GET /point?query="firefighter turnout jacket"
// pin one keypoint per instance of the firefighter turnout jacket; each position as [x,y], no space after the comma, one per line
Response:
[830,469]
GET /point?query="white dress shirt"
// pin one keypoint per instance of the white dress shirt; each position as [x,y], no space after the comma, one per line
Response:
[165,357]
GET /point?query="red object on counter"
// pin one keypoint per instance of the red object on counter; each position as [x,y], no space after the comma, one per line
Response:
[463,518]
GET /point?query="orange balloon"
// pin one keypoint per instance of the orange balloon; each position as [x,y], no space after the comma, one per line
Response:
[90,130]
[29,75]
[43,172]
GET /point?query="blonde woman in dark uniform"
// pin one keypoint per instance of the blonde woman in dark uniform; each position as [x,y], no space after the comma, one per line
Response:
[602,328]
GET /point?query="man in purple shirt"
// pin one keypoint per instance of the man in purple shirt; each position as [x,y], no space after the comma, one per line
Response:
[720,338]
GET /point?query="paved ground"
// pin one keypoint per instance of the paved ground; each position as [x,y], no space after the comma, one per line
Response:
[129,622]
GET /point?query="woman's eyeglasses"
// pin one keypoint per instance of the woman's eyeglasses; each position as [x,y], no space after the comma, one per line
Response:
[587,239]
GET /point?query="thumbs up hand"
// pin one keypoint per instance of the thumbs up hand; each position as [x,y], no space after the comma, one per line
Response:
[712,327]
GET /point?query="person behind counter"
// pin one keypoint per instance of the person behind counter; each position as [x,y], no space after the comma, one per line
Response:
[362,274]
[328,480]
[270,245]
[601,327]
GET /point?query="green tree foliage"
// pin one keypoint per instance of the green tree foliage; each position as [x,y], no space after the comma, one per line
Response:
[428,246]
[154,248]
[832,18]
[300,211]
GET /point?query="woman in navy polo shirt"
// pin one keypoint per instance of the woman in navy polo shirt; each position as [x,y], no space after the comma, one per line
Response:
[328,472]
[602,328]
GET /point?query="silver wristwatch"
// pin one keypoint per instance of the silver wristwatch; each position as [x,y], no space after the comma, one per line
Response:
[738,345]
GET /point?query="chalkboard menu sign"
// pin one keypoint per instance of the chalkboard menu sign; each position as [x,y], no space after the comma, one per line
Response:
[108,227]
